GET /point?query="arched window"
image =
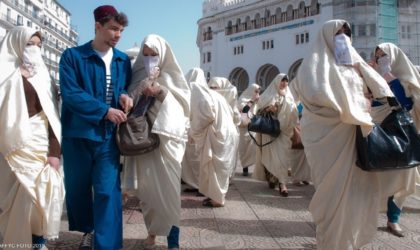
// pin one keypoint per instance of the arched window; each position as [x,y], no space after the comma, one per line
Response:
[301,9]
[314,7]
[267,13]
[278,15]
[228,30]
[289,12]
[266,20]
[239,77]
[238,25]
[247,24]
[209,33]
[257,21]
[294,68]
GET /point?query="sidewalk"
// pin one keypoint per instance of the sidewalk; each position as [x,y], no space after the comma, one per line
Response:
[254,217]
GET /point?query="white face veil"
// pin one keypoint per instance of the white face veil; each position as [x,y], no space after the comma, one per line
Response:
[171,75]
[11,50]
[402,68]
[14,126]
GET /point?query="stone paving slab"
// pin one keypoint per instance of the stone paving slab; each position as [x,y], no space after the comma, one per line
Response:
[254,217]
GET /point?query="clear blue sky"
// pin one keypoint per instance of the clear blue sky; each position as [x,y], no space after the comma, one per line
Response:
[174,20]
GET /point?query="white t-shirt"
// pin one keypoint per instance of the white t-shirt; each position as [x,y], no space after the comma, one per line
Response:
[107,58]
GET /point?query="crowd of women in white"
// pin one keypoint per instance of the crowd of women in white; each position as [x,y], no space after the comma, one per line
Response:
[347,200]
[204,138]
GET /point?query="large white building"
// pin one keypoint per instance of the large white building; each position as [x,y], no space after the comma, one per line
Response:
[48,16]
[251,41]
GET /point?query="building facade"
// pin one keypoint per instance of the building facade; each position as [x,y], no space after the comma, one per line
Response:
[48,16]
[251,41]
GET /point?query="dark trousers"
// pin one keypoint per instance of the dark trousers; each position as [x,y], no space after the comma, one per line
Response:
[93,192]
[38,242]
[173,237]
[393,212]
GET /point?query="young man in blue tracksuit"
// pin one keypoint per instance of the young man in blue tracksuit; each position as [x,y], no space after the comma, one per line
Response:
[93,82]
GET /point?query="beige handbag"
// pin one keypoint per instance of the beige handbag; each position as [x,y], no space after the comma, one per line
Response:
[134,137]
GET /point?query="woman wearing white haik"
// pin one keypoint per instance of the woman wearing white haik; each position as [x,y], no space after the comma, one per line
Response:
[191,161]
[31,188]
[332,84]
[247,104]
[225,88]
[156,73]
[404,80]
[273,159]
[216,139]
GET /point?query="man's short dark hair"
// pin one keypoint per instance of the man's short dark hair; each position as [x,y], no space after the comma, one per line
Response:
[105,13]
[120,18]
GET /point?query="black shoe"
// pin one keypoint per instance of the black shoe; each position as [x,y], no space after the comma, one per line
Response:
[245,171]
[87,242]
[271,185]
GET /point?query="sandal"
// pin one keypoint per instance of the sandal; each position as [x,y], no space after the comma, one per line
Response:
[210,203]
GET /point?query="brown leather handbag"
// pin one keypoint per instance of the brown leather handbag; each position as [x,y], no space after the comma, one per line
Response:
[296,140]
[134,137]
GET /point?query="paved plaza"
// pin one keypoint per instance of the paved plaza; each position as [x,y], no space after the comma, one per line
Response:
[254,217]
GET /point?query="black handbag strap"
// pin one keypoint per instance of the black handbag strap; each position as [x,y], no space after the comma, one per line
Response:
[392,101]
[260,145]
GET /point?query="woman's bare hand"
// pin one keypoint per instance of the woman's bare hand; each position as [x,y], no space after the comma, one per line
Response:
[54,162]
[271,109]
[152,90]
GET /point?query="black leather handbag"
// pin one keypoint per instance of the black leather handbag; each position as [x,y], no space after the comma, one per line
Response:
[392,145]
[134,137]
[264,124]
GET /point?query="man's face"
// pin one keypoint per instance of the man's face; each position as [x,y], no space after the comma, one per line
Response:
[110,32]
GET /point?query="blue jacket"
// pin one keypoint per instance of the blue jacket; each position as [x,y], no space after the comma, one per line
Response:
[83,91]
[398,90]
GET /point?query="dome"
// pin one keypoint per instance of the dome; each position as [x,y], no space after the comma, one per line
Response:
[133,51]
